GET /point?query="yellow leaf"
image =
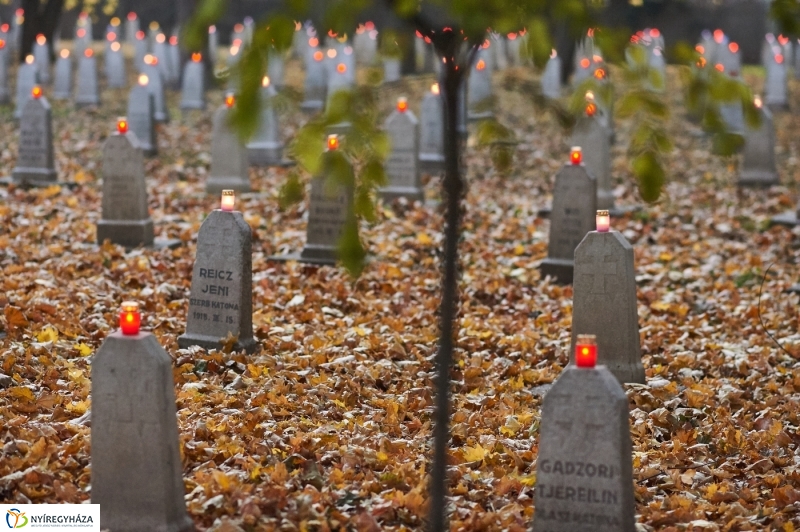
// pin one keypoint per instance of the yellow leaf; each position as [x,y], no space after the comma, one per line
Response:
[529,480]
[52,190]
[516,383]
[79,407]
[424,239]
[222,479]
[48,334]
[519,250]
[83,349]
[381,456]
[665,256]
[21,392]
[660,305]
[474,454]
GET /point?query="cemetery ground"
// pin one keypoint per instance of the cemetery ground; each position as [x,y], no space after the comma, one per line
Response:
[329,425]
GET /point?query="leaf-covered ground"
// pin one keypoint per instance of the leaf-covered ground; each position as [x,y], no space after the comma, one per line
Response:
[329,427]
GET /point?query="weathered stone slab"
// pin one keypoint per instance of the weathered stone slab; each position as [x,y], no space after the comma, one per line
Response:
[135,437]
[584,471]
[513,48]
[140,48]
[131,27]
[572,216]
[402,165]
[365,42]
[328,209]
[391,70]
[213,44]
[125,219]
[174,56]
[221,296]
[758,161]
[155,85]
[115,67]
[275,69]
[593,139]
[5,92]
[87,91]
[479,87]
[41,56]
[193,93]
[604,303]
[776,87]
[141,120]
[62,83]
[27,77]
[35,160]
[316,82]
[266,147]
[431,132]
[161,53]
[229,164]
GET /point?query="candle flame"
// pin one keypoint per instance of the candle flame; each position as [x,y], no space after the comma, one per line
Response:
[402,104]
[115,46]
[122,125]
[197,57]
[331,53]
[36,92]
[576,155]
[435,89]
[64,53]
[29,59]
[318,55]
[230,99]
[265,81]
[131,16]
[143,79]
[88,52]
[341,68]
[41,40]
[333,142]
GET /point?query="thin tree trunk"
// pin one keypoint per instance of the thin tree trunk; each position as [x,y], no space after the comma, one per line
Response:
[39,19]
[452,191]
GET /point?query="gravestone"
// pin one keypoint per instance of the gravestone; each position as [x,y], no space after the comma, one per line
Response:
[604,303]
[659,65]
[5,92]
[27,78]
[338,81]
[137,475]
[767,47]
[131,27]
[316,83]
[115,67]
[229,164]
[139,50]
[733,116]
[125,219]
[193,93]
[479,87]
[249,27]
[330,207]
[402,165]
[213,45]
[584,471]
[584,69]
[220,303]
[498,52]
[593,139]
[233,73]
[266,147]
[551,77]
[513,41]
[41,56]
[81,42]
[572,216]
[431,132]
[62,84]
[391,70]
[35,160]
[758,161]
[174,55]
[365,43]
[161,53]
[775,85]
[275,69]
[87,92]
[156,86]
[141,119]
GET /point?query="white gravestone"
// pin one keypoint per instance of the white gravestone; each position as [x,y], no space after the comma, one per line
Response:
[229,164]
[593,139]
[758,161]
[220,302]
[431,132]
[5,92]
[266,147]
[87,91]
[193,93]
[513,48]
[174,55]
[141,120]
[125,217]
[315,85]
[156,87]
[41,55]
[115,63]
[775,85]
[160,52]
[62,84]
[479,87]
[131,27]
[584,471]
[213,45]
[402,165]
[139,50]
[35,160]
[275,69]
[391,70]
[136,464]
[604,303]
[572,216]
[551,77]
[27,78]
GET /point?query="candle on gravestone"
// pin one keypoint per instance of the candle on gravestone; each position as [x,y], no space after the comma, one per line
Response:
[481,64]
[41,40]
[402,104]
[2,44]
[600,73]
[318,55]
[553,53]
[779,58]
[435,89]
[153,26]
[228,200]
[235,49]
[733,47]
[143,79]
[341,68]
[333,142]
[36,92]
[265,81]
[197,57]
[576,155]
[122,125]
[115,46]
[29,59]
[81,33]
[129,318]
[585,62]
[115,21]
[160,38]
[720,67]
[173,41]
[603,221]
[332,53]
[230,99]
[586,351]
[88,52]
[131,16]
[212,29]
[313,42]
[111,36]
[140,35]
[64,53]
